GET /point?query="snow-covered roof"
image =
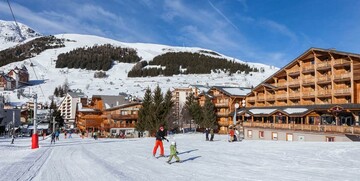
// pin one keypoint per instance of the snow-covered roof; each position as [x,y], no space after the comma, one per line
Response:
[295,110]
[262,111]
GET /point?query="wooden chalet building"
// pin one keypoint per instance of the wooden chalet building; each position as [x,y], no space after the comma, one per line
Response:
[224,99]
[106,112]
[14,78]
[316,97]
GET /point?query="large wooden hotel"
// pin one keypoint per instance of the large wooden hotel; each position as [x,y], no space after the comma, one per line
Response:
[316,97]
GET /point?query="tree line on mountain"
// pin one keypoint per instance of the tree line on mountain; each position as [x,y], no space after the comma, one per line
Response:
[29,49]
[158,110]
[98,57]
[174,63]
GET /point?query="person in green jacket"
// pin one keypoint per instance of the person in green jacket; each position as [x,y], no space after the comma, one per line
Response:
[173,152]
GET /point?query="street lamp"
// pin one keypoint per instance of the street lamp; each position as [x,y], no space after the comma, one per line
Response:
[234,118]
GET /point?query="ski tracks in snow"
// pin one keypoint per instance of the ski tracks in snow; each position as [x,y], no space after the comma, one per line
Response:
[27,168]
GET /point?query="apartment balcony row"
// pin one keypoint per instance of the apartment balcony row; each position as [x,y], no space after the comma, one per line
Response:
[305,127]
[119,116]
[222,114]
[310,94]
[222,104]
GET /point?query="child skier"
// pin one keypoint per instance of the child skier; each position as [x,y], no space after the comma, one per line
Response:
[173,152]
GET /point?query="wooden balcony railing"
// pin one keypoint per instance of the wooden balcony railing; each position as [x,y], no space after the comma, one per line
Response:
[308,94]
[280,96]
[293,70]
[342,76]
[324,78]
[323,65]
[324,92]
[119,116]
[270,97]
[294,82]
[222,104]
[308,68]
[222,113]
[342,91]
[341,61]
[308,80]
[306,127]
[282,84]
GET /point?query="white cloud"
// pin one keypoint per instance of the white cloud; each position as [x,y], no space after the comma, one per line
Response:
[282,29]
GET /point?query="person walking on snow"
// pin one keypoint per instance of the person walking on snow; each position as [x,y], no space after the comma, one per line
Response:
[207,134]
[160,135]
[52,138]
[173,152]
[211,134]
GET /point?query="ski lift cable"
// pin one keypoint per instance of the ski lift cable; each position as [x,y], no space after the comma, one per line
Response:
[17,25]
[37,77]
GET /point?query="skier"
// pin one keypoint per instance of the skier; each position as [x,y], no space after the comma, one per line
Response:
[211,134]
[232,133]
[52,138]
[160,135]
[57,135]
[173,152]
[207,134]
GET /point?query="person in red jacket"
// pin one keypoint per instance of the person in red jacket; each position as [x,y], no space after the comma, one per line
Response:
[232,133]
[160,135]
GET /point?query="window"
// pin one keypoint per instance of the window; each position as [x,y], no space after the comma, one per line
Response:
[249,133]
[261,134]
[330,139]
[289,137]
[274,136]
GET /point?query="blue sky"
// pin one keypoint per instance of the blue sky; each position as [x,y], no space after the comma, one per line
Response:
[266,31]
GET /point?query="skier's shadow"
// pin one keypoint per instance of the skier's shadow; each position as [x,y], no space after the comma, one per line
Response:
[187,151]
[189,159]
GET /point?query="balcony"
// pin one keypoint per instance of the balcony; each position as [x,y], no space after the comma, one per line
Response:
[341,62]
[281,85]
[294,72]
[281,96]
[222,104]
[342,92]
[308,69]
[294,83]
[323,66]
[270,97]
[250,99]
[324,80]
[342,77]
[310,94]
[294,96]
[308,81]
[306,127]
[222,114]
[324,93]
[119,116]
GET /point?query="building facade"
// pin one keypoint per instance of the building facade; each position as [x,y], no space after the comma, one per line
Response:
[68,108]
[318,92]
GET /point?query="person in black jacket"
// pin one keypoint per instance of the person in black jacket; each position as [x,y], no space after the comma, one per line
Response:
[160,135]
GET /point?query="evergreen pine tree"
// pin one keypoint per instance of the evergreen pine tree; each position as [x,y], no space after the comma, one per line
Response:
[209,117]
[145,113]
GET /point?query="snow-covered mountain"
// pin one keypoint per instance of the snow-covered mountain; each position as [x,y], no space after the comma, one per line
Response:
[10,35]
[44,77]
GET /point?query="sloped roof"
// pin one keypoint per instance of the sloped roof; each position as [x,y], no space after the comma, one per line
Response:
[76,94]
[110,101]
[233,91]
